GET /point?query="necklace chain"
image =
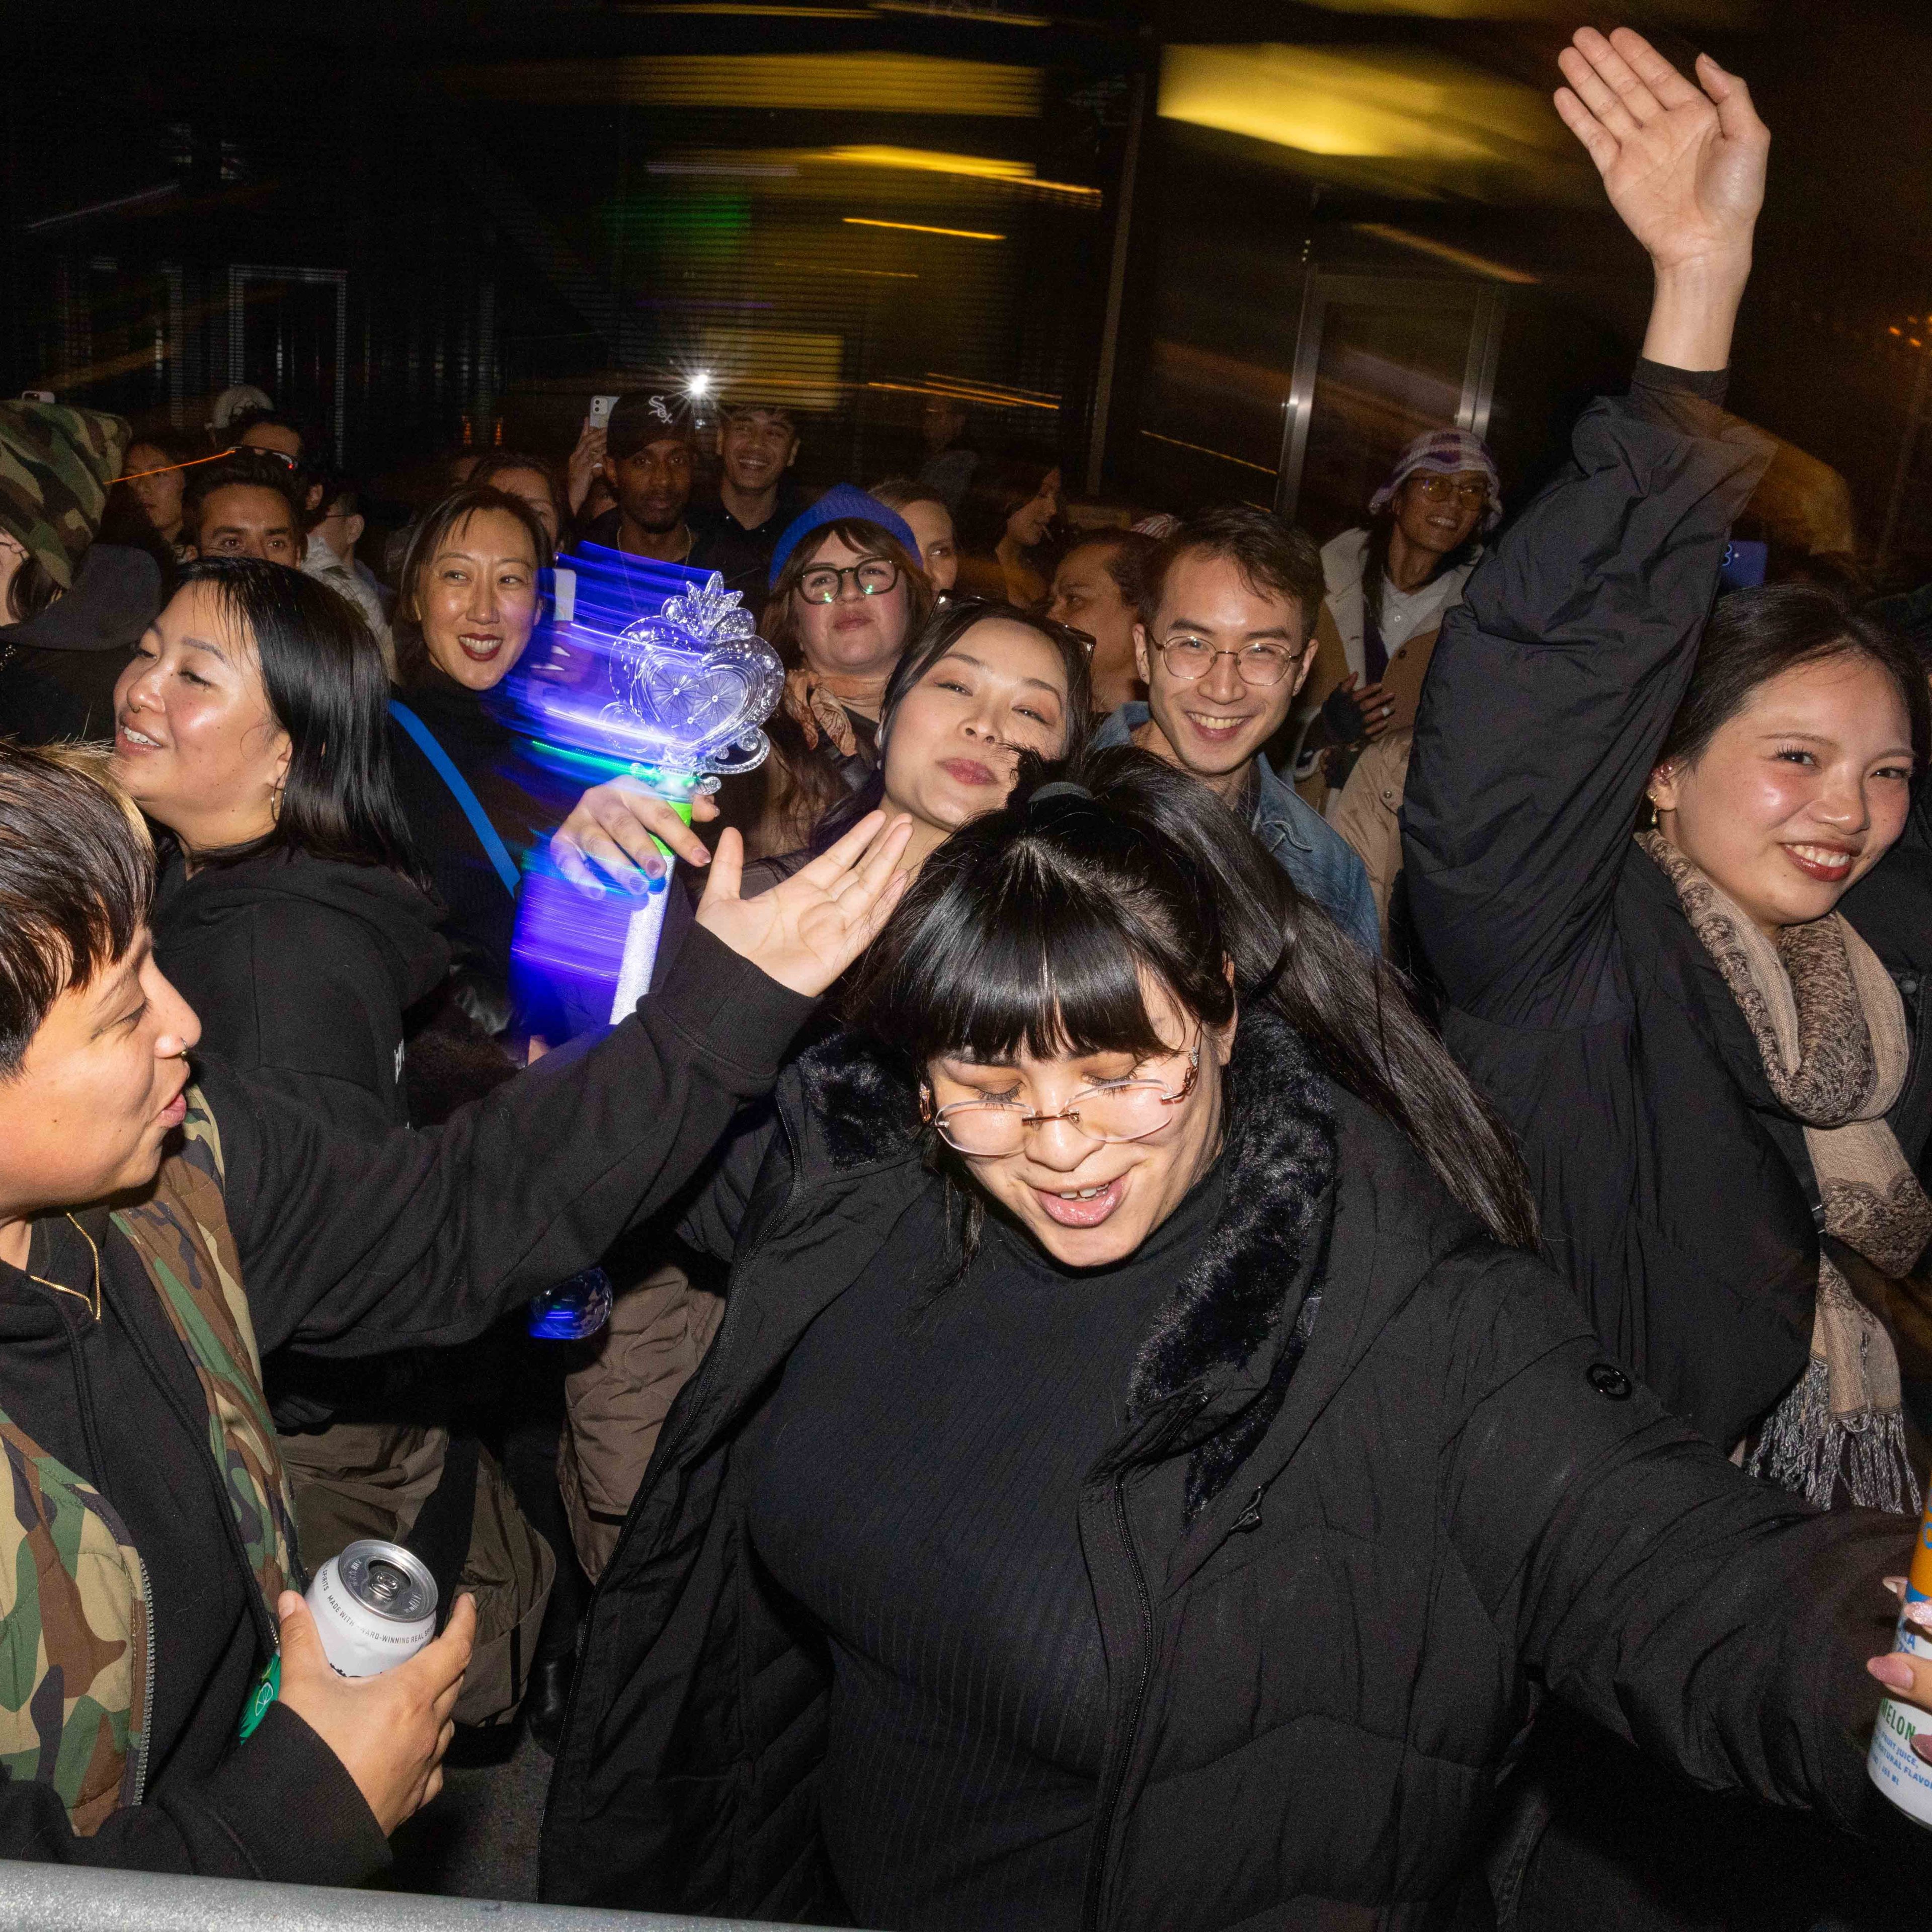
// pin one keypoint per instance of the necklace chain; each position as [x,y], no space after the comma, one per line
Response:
[93,1303]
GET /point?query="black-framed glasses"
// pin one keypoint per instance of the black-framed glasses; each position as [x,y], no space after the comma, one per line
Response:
[1260,664]
[872,576]
[1123,1110]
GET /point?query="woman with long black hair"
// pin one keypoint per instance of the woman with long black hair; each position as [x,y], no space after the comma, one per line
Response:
[980,684]
[1141,1473]
[1629,826]
[292,911]
[1008,527]
[979,687]
[291,914]
[1629,822]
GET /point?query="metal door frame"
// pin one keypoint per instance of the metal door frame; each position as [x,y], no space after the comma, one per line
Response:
[1322,289]
[241,274]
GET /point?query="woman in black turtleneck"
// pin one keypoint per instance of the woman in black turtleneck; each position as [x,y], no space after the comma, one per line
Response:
[469,603]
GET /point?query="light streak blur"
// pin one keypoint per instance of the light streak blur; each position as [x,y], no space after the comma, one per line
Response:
[868,81]
[1425,119]
[958,389]
[1731,14]
[975,167]
[1201,449]
[1444,251]
[922,228]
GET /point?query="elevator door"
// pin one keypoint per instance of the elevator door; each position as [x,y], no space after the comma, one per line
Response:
[1377,360]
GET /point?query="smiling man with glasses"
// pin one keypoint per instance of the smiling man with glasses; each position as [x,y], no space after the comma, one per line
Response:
[1226,638]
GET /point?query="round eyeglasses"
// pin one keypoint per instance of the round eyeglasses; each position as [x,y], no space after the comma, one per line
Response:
[1123,1110]
[1444,489]
[1193,657]
[872,576]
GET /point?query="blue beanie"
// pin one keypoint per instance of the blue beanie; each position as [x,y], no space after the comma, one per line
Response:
[843,502]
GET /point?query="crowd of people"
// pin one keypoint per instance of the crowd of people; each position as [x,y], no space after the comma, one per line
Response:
[1265,1210]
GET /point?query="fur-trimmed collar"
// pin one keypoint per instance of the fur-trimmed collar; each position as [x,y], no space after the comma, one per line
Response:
[1238,1322]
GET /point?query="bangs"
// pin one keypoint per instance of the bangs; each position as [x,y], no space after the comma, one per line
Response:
[1038,966]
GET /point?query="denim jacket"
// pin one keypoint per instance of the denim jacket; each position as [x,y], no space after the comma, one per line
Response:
[1321,862]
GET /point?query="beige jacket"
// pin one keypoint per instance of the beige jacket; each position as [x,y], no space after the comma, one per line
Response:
[1369,814]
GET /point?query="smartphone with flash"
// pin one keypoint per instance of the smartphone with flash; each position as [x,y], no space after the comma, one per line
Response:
[601,407]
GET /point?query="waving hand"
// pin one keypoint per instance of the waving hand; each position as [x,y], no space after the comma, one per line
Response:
[806,932]
[1684,167]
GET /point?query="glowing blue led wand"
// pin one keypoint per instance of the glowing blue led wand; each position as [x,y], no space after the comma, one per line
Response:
[691,684]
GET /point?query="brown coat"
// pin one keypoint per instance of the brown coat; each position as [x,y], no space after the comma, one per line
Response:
[1369,814]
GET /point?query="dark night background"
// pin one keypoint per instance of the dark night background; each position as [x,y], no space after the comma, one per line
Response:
[420,226]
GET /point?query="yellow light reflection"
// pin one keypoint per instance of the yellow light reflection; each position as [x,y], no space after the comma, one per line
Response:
[977,167]
[1733,13]
[1201,449]
[962,393]
[1380,104]
[886,83]
[946,10]
[1444,251]
[920,228]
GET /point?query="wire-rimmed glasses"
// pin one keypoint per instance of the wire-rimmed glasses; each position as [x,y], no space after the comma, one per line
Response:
[1258,664]
[1122,1110]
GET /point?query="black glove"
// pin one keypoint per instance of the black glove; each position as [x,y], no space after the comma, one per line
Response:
[1343,717]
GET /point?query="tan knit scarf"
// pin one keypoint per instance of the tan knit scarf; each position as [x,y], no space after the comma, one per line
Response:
[1831,1026]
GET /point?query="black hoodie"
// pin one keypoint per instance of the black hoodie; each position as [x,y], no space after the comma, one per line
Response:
[57,669]
[300,968]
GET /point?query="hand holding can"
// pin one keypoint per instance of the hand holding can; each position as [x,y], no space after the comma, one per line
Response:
[389,1731]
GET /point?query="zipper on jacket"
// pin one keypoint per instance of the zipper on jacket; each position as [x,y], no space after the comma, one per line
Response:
[1108,1806]
[153,1671]
[83,1390]
[261,1612]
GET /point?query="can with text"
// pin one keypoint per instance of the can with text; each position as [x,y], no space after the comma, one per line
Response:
[374,1607]
[1896,1768]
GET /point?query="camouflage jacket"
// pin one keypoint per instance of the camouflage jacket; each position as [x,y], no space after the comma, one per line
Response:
[76,1629]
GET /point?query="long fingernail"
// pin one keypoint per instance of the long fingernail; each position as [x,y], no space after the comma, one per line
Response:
[1922,1744]
[1892,1671]
[1920,1613]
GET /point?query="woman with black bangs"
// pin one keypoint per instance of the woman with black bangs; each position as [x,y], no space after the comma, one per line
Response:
[981,688]
[1142,1472]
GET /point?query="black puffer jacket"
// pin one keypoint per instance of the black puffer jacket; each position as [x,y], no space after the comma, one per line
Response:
[1315,1665]
[1675,1192]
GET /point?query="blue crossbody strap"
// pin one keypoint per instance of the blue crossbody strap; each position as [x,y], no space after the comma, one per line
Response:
[459,789]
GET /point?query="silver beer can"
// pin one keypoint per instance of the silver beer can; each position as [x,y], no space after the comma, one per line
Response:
[374,1607]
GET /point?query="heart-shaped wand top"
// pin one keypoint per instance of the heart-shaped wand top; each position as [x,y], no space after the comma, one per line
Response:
[694,683]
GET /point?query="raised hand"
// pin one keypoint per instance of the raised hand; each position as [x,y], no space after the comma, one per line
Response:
[584,461]
[806,932]
[1684,167]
